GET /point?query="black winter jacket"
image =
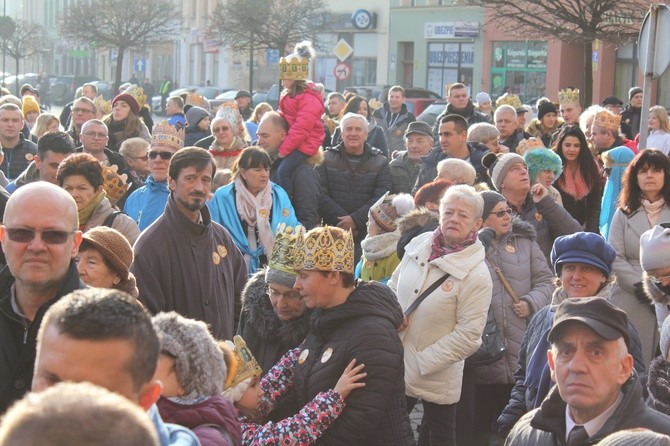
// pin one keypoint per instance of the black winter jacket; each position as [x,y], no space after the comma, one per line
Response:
[352,189]
[469,113]
[362,328]
[546,425]
[428,168]
[306,190]
[18,342]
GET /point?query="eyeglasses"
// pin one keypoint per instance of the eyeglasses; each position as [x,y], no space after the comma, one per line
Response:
[164,155]
[288,295]
[50,236]
[96,135]
[220,129]
[143,158]
[501,214]
[82,110]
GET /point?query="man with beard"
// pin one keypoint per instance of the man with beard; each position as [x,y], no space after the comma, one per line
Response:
[185,262]
[458,103]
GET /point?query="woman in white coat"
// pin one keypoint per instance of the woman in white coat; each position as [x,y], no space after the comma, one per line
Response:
[644,202]
[447,326]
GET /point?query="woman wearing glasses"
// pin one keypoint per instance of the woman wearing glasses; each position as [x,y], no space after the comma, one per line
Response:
[515,255]
[81,176]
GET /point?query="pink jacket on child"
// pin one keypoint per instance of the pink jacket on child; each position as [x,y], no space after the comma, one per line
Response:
[303,114]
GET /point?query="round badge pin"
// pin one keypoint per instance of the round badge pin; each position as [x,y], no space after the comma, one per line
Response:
[511,249]
[538,216]
[448,285]
[215,258]
[221,250]
[303,356]
[326,355]
[263,213]
[29,156]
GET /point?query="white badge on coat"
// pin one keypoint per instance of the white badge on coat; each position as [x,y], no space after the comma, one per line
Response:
[326,355]
[303,356]
[448,285]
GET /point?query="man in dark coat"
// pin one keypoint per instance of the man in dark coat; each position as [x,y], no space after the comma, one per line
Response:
[351,321]
[597,392]
[459,103]
[184,261]
[353,176]
[394,118]
[631,115]
[272,131]
[19,151]
[40,240]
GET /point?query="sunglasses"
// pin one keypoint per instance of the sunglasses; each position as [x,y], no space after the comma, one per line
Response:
[164,155]
[50,236]
[143,158]
[501,214]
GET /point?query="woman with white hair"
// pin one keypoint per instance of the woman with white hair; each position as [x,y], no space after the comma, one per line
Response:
[228,132]
[440,332]
[487,134]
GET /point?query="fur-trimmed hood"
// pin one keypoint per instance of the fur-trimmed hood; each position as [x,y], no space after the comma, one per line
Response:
[653,293]
[523,229]
[258,312]
[418,217]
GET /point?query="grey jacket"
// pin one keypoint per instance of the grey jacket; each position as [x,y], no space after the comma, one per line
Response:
[403,173]
[523,264]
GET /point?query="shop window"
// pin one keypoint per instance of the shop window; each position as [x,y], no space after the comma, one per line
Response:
[449,63]
[625,71]
[519,67]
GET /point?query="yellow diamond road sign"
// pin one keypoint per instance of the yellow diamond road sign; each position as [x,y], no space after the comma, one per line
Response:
[343,50]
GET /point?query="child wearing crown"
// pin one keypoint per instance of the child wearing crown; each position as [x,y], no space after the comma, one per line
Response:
[254,398]
[301,105]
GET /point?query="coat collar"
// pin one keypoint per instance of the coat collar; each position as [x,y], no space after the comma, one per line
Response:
[182,224]
[458,264]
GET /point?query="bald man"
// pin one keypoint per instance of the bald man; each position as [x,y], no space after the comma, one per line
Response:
[40,239]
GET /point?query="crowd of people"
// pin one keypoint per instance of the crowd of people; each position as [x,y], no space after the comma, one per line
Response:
[246,276]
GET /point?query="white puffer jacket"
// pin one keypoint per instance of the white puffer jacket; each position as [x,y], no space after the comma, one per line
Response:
[447,327]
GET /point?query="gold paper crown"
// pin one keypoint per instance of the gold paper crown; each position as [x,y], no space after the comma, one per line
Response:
[229,112]
[138,93]
[375,104]
[168,135]
[283,250]
[608,120]
[197,100]
[243,365]
[104,107]
[325,249]
[568,96]
[115,185]
[509,99]
[528,144]
[384,214]
[294,68]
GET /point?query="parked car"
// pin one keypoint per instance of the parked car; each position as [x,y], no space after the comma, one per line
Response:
[430,113]
[14,83]
[226,96]
[416,99]
[65,86]
[209,93]
[106,89]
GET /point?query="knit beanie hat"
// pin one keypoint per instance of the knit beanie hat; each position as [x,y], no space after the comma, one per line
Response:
[194,115]
[491,199]
[389,208]
[431,192]
[539,160]
[29,105]
[199,364]
[498,165]
[637,436]
[113,246]
[655,248]
[633,91]
[280,267]
[128,99]
[482,98]
[544,108]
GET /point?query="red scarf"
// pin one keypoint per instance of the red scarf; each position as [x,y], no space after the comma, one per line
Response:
[439,248]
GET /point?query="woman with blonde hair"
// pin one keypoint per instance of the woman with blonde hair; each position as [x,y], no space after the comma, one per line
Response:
[659,129]
[255,119]
[46,122]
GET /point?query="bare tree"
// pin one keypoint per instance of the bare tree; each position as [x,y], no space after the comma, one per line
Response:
[573,21]
[25,40]
[120,25]
[274,24]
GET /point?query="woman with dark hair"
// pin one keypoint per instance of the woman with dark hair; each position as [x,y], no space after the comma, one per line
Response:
[124,121]
[376,137]
[580,184]
[252,207]
[81,176]
[644,202]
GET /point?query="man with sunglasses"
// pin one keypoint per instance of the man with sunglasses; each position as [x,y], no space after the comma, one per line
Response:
[40,240]
[148,202]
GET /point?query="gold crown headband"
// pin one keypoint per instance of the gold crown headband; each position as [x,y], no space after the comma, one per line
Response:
[321,249]
[568,96]
[197,100]
[509,99]
[243,364]
[608,120]
[138,93]
[104,107]
[528,144]
[168,135]
[294,68]
[284,248]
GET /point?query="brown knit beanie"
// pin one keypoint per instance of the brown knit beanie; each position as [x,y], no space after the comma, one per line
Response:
[113,246]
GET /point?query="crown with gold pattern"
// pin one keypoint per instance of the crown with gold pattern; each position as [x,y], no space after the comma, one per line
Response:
[568,96]
[104,107]
[509,99]
[229,112]
[197,100]
[115,185]
[283,250]
[168,135]
[294,68]
[607,119]
[241,364]
[528,144]
[325,249]
[138,93]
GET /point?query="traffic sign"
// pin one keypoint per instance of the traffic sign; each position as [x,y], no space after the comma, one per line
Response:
[655,31]
[343,50]
[140,65]
[342,71]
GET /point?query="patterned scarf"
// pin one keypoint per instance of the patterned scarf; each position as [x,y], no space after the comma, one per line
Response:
[439,248]
[255,211]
